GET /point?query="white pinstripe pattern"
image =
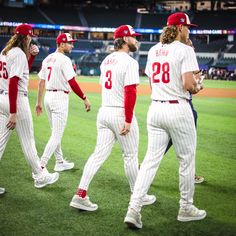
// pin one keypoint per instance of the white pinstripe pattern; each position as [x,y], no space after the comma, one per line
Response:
[111,118]
[24,129]
[17,65]
[61,71]
[110,121]
[56,105]
[165,121]
[181,59]
[125,71]
[59,68]
[3,74]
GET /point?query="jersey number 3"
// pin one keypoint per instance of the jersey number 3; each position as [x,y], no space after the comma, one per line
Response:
[108,83]
[163,69]
[3,70]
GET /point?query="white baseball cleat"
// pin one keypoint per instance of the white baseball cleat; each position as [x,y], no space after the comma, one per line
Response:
[83,203]
[191,214]
[65,165]
[133,219]
[148,200]
[2,190]
[45,179]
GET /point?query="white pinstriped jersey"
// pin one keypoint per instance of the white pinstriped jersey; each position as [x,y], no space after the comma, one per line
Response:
[165,65]
[118,70]
[3,73]
[57,70]
[16,65]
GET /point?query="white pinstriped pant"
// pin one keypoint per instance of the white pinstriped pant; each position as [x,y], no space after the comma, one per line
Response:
[24,129]
[165,120]
[110,121]
[56,105]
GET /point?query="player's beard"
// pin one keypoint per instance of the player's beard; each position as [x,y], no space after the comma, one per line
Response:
[132,47]
[67,50]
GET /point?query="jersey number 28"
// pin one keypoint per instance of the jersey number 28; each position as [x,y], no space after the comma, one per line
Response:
[163,69]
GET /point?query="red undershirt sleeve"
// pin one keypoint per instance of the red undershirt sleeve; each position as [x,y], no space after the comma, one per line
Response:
[13,91]
[129,101]
[30,61]
[76,88]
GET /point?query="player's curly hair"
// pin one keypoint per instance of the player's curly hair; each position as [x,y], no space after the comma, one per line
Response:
[16,40]
[118,43]
[169,34]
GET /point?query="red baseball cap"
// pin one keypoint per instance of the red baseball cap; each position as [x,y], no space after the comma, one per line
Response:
[24,29]
[179,18]
[125,30]
[65,38]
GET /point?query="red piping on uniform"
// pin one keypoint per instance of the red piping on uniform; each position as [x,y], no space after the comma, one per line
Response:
[76,88]
[13,91]
[129,101]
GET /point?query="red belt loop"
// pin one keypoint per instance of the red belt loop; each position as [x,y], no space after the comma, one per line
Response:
[169,101]
[173,101]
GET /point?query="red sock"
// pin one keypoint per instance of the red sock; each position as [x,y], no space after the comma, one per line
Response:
[81,192]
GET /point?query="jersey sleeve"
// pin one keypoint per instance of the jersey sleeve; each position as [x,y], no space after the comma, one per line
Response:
[67,69]
[16,67]
[42,73]
[132,73]
[189,61]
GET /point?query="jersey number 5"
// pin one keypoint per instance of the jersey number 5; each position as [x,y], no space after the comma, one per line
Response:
[164,69]
[3,70]
[108,83]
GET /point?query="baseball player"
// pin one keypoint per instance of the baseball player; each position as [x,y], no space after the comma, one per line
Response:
[14,104]
[58,75]
[197,179]
[115,119]
[171,67]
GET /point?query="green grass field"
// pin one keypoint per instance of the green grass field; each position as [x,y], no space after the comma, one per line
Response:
[25,210]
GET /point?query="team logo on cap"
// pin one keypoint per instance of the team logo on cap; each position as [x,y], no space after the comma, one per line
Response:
[132,31]
[182,20]
[125,31]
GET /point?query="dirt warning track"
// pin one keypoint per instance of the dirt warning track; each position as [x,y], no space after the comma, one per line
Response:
[145,90]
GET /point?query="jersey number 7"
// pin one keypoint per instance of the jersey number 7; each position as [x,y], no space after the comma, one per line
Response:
[163,69]
[50,71]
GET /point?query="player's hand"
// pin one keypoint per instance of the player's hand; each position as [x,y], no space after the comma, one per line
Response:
[34,50]
[87,105]
[125,129]
[38,109]
[190,43]
[11,124]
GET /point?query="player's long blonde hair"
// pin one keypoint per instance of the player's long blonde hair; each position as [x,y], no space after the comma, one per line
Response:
[16,40]
[168,34]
